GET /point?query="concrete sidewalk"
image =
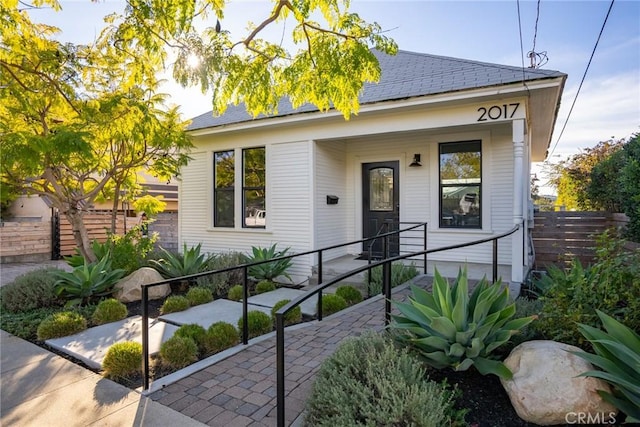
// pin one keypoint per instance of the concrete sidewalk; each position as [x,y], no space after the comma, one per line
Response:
[39,388]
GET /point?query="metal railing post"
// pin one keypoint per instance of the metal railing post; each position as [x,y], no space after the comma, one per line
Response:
[386,282]
[320,281]
[245,306]
[424,245]
[280,369]
[145,337]
[495,260]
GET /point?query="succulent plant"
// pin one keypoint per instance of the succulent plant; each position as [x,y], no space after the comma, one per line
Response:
[618,355]
[451,328]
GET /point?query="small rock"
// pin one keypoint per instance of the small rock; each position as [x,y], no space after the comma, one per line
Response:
[129,288]
[545,388]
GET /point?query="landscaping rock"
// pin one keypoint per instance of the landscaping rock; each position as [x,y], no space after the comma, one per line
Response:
[545,388]
[129,289]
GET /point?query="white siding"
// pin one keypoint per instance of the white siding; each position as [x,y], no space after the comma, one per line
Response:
[331,179]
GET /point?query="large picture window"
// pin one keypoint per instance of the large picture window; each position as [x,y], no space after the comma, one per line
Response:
[253,187]
[460,184]
[224,188]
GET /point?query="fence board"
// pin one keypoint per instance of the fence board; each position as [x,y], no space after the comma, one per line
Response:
[97,224]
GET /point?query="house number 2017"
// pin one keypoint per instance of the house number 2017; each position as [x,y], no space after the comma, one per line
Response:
[495,112]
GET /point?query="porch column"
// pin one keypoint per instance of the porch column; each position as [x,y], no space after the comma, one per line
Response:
[517,255]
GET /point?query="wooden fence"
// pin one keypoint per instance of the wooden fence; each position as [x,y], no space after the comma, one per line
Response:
[97,224]
[559,237]
[25,241]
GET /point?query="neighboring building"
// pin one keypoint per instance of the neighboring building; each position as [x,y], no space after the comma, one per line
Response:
[444,140]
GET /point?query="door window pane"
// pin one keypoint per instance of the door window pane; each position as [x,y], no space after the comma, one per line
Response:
[381,190]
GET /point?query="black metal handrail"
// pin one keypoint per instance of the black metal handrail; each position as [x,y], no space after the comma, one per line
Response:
[245,268]
[386,284]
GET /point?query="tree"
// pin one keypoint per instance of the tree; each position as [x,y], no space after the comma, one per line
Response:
[78,121]
[572,177]
[75,121]
[630,186]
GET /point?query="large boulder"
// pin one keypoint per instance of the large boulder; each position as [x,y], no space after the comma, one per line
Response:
[129,288]
[545,388]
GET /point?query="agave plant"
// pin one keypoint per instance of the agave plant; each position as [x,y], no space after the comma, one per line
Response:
[87,281]
[618,355]
[190,261]
[270,270]
[449,328]
[100,250]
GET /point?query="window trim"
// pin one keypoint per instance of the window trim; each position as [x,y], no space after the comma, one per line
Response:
[245,188]
[441,186]
[217,189]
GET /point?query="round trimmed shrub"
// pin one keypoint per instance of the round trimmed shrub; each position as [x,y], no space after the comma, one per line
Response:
[174,303]
[350,294]
[292,317]
[194,331]
[332,304]
[236,292]
[30,291]
[123,359]
[61,324]
[109,310]
[179,352]
[265,286]
[199,295]
[220,336]
[368,381]
[259,323]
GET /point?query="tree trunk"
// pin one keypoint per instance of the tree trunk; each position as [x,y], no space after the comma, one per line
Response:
[114,208]
[81,234]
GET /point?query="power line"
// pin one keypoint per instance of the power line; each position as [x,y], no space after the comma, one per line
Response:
[583,77]
[521,45]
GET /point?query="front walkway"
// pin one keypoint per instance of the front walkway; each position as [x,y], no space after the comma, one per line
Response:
[241,390]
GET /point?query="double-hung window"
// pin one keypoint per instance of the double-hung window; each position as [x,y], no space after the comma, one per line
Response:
[224,188]
[253,187]
[460,183]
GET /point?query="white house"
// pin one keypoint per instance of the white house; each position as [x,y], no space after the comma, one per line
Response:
[444,140]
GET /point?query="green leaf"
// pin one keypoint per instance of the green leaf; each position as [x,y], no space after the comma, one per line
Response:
[444,327]
[487,366]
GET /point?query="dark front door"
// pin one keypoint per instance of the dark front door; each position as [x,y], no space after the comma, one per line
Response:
[380,205]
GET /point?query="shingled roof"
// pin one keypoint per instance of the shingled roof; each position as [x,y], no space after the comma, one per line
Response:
[405,75]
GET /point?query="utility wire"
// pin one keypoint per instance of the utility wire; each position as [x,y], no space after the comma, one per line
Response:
[535,36]
[583,77]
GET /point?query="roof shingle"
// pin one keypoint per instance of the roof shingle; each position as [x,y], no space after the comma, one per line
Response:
[405,75]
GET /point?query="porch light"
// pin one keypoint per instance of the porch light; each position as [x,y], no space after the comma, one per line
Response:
[416,161]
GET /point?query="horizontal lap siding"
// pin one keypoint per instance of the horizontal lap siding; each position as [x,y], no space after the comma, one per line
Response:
[331,221]
[288,202]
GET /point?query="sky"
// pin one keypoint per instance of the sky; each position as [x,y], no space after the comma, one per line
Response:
[608,105]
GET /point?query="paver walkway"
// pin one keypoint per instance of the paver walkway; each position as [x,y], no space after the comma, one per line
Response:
[241,390]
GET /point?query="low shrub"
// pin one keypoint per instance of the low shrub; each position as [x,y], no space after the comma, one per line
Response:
[109,310]
[123,360]
[259,323]
[178,352]
[220,283]
[199,295]
[61,324]
[220,336]
[30,291]
[400,273]
[332,304]
[194,331]
[350,294]
[368,381]
[265,286]
[25,325]
[292,317]
[236,293]
[573,296]
[174,303]
[525,307]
